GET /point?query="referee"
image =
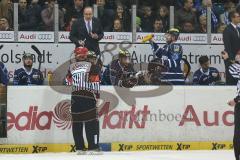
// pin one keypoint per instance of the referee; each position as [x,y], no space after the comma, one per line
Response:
[234,70]
[85,92]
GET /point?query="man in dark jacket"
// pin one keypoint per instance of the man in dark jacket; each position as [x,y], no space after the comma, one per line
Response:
[231,39]
[87,31]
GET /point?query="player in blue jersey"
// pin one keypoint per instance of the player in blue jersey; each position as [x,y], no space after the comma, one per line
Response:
[206,75]
[171,56]
[27,75]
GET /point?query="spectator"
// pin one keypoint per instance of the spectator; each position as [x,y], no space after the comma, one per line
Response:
[27,75]
[29,16]
[147,19]
[206,75]
[163,14]
[228,7]
[6,10]
[202,28]
[188,27]
[158,26]
[117,26]
[221,27]
[75,11]
[203,11]
[138,24]
[73,19]
[185,14]
[4,25]
[123,15]
[3,75]
[48,17]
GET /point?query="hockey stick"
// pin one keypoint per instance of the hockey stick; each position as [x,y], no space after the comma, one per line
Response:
[39,55]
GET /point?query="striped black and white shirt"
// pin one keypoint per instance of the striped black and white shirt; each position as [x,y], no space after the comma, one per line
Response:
[81,78]
[234,70]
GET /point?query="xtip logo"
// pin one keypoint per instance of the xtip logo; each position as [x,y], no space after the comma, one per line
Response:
[181,146]
[218,146]
[73,148]
[124,147]
[38,149]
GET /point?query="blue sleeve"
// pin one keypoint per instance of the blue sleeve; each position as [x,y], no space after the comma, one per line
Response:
[196,78]
[3,74]
[157,50]
[16,78]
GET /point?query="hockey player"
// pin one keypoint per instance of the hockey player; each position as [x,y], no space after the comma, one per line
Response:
[122,72]
[83,77]
[234,70]
[27,75]
[206,75]
[3,75]
[171,56]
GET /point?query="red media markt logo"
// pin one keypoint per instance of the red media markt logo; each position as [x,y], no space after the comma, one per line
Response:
[62,115]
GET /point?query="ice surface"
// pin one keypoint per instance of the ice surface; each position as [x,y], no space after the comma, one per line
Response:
[148,155]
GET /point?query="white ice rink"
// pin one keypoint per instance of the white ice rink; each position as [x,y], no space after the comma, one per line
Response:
[152,155]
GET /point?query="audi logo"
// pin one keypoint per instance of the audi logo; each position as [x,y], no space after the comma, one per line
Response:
[159,37]
[199,38]
[45,36]
[123,37]
[6,36]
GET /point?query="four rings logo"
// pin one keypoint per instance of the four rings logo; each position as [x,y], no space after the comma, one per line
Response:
[45,36]
[6,36]
[123,37]
[159,37]
[199,38]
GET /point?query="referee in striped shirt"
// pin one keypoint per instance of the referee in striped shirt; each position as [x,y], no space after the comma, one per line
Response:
[234,70]
[84,79]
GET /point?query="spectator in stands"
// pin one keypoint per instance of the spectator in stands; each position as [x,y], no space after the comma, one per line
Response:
[203,11]
[185,14]
[123,15]
[29,16]
[231,40]
[4,25]
[228,7]
[3,75]
[221,27]
[138,24]
[73,19]
[147,19]
[48,17]
[202,28]
[6,10]
[163,14]
[188,27]
[158,26]
[75,11]
[206,75]
[117,25]
[27,75]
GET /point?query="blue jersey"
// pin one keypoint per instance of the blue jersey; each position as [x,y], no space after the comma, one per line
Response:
[3,74]
[209,77]
[171,55]
[21,77]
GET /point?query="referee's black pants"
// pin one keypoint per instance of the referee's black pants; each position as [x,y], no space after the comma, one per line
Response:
[84,111]
[236,138]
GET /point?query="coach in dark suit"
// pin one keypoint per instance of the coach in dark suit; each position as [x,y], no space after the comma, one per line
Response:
[231,39]
[87,31]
